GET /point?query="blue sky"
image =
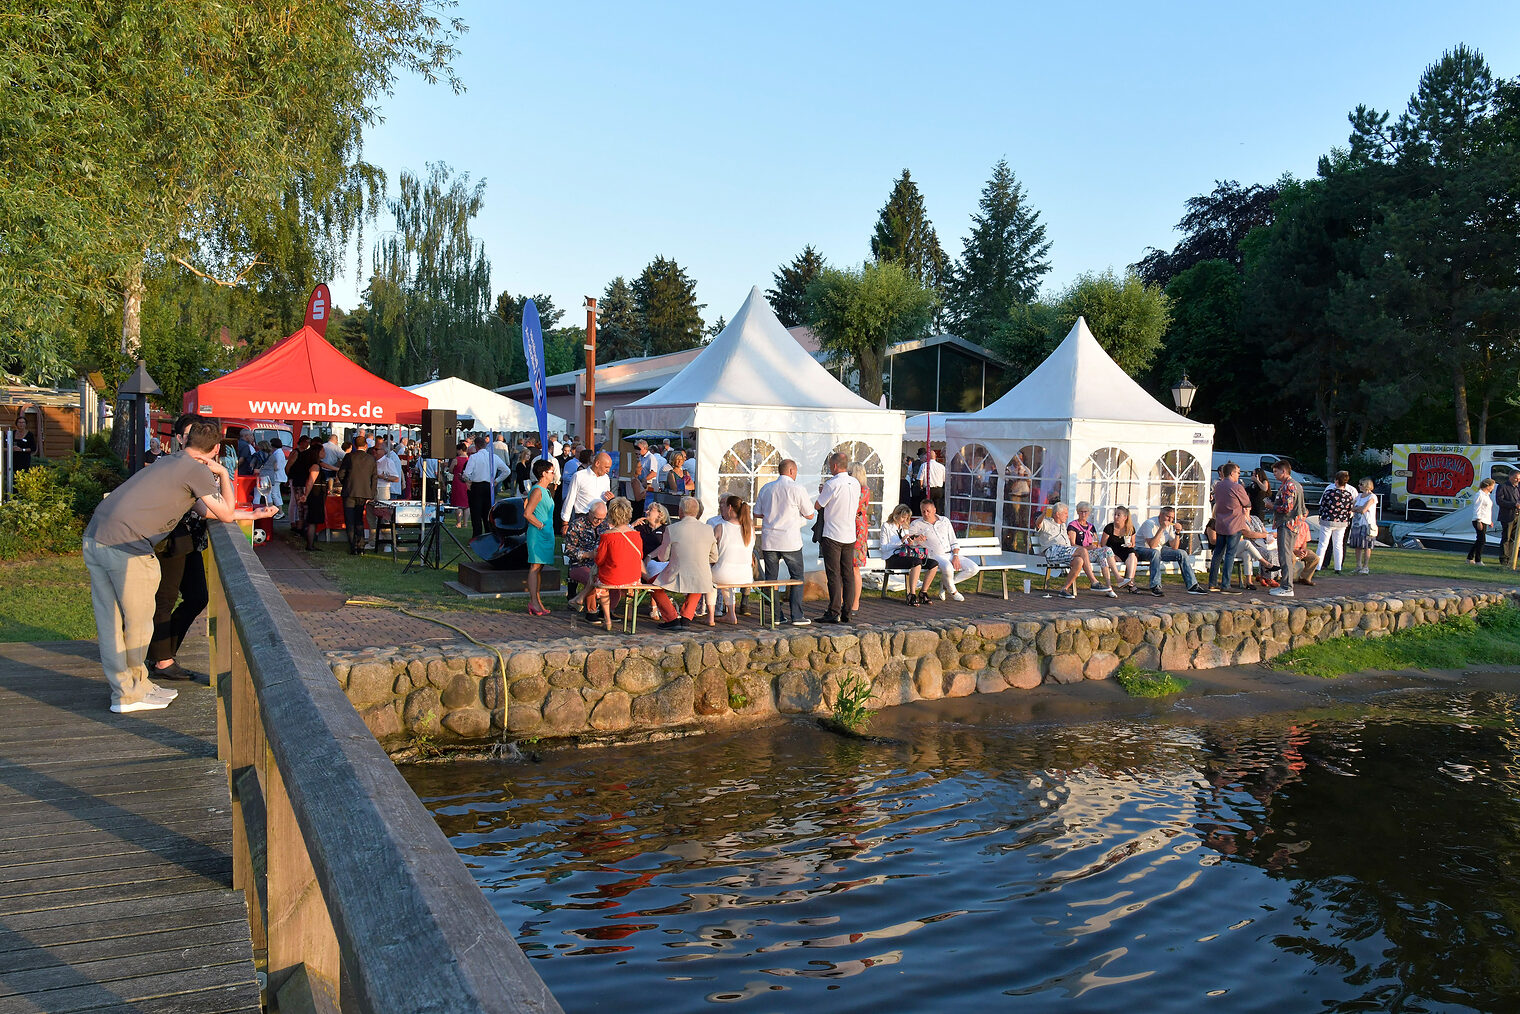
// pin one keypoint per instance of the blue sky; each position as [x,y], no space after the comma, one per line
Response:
[729,135]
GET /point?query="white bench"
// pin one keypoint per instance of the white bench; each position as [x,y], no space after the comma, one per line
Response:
[990,558]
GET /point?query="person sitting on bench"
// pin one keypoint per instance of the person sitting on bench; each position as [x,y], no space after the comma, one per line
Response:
[941,546]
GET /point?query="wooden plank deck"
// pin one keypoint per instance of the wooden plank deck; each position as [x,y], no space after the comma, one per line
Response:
[115,837]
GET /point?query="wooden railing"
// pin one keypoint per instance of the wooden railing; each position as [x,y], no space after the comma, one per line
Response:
[356,901]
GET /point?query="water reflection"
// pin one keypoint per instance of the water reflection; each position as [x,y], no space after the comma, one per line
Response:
[1350,859]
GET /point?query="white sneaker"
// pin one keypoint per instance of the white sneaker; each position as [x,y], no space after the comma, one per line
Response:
[164,694]
[942,594]
[1282,593]
[146,704]
[957,596]
[1112,594]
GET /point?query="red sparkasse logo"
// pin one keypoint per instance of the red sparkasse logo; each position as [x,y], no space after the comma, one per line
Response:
[318,309]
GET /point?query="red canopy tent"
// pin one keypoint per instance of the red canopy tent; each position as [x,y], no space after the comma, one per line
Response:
[305,378]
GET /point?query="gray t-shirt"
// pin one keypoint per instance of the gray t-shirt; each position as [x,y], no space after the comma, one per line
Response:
[145,508]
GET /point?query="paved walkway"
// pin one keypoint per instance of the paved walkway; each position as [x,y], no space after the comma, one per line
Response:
[115,875]
[337,626]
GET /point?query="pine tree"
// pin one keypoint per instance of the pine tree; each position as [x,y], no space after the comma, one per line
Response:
[666,299]
[716,327]
[619,330]
[904,235]
[1004,258]
[789,297]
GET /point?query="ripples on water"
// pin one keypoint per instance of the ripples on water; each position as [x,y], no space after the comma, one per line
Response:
[1352,860]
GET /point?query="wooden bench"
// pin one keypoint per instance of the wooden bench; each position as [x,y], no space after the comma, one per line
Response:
[634,595]
[769,592]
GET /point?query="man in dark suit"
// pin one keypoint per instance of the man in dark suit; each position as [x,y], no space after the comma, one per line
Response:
[357,473]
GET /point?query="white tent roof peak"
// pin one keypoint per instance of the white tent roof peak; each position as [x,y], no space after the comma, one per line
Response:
[1079,381]
[754,361]
[491,411]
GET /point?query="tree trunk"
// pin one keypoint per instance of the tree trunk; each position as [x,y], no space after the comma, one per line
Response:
[869,364]
[1488,398]
[1459,399]
[131,348]
[1326,411]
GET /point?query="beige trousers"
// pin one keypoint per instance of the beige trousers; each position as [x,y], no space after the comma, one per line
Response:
[123,588]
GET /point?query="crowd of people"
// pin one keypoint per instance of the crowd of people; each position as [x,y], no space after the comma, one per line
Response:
[1261,528]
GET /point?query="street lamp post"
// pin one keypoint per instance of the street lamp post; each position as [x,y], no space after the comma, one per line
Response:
[1182,394]
[137,388]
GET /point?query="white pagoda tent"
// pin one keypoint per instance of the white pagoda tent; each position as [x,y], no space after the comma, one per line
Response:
[489,410]
[754,397]
[1077,428]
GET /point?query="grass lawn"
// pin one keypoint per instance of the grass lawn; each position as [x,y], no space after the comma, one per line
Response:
[377,575]
[1434,563]
[1492,638]
[46,600]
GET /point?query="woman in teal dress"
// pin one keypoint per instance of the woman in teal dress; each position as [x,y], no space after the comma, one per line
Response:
[539,513]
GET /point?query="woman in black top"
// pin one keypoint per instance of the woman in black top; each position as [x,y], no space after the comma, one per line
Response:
[1260,492]
[520,471]
[23,446]
[651,528]
[1119,536]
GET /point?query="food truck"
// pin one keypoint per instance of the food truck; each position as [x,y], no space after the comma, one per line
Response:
[1430,479]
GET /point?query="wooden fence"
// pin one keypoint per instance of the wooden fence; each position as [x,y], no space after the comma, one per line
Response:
[356,901]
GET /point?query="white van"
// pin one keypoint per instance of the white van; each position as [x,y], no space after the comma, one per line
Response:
[1251,460]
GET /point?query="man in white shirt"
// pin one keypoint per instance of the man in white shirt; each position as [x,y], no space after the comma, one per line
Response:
[332,453]
[839,499]
[1156,542]
[931,477]
[651,467]
[554,445]
[943,548]
[784,507]
[387,470]
[482,471]
[590,484]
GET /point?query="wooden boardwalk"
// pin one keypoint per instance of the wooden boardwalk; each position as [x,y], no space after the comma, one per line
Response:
[115,837]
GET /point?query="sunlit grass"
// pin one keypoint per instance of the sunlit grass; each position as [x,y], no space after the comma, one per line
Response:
[46,600]
[1491,637]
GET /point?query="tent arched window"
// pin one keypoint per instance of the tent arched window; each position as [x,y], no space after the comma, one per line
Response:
[1027,487]
[746,466]
[1177,481]
[971,491]
[1107,479]
[865,454]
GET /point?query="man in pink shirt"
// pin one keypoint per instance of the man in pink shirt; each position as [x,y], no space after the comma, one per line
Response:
[1232,509]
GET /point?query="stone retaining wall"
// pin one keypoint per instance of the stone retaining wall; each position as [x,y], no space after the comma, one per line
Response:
[676,684]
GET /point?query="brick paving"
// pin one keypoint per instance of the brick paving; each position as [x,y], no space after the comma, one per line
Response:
[337,626]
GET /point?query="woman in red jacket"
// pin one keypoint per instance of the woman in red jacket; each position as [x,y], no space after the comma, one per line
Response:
[619,561]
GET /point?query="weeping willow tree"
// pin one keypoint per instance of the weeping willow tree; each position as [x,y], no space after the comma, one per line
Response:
[199,133]
[429,298]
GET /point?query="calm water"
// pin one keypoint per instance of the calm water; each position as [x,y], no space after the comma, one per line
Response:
[1356,858]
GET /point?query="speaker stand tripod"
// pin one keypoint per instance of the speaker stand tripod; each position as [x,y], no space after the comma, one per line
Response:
[430,552]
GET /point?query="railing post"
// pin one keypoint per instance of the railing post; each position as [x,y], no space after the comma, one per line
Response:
[300,930]
[332,850]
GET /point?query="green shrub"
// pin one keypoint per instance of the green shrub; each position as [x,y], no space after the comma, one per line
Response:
[1500,618]
[1138,682]
[850,709]
[86,478]
[37,519]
